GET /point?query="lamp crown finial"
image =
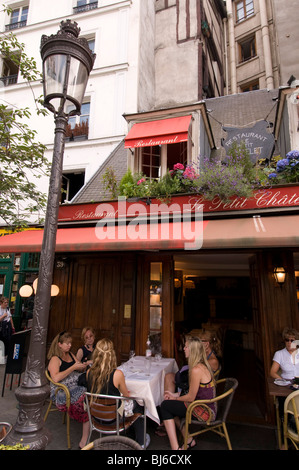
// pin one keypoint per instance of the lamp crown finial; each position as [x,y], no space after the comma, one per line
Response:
[70,27]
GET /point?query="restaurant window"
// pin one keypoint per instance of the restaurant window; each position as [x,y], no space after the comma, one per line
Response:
[151,162]
[247,49]
[156,161]
[244,9]
[18,18]
[155,289]
[78,126]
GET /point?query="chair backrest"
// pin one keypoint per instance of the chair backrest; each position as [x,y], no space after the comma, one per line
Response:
[115,443]
[291,406]
[5,429]
[226,388]
[103,409]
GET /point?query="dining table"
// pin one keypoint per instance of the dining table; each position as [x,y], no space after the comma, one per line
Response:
[144,378]
[279,388]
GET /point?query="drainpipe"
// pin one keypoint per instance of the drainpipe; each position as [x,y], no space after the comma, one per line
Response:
[225,52]
[266,46]
[232,49]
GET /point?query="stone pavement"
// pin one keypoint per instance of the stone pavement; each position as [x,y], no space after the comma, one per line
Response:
[243,436]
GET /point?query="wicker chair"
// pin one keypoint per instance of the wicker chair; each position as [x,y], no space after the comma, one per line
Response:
[218,426]
[113,443]
[52,406]
[105,416]
[291,408]
[5,429]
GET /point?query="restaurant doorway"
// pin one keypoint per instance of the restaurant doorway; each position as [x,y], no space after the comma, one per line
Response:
[213,291]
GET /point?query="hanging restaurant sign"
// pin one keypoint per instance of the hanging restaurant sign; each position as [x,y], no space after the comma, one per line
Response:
[258,141]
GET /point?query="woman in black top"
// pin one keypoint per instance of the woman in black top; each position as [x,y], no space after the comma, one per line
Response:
[64,368]
[103,377]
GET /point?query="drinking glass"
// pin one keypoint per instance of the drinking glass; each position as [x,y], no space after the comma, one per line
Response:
[148,365]
[131,354]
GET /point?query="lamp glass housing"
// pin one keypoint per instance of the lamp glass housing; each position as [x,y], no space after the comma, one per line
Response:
[280,275]
[65,80]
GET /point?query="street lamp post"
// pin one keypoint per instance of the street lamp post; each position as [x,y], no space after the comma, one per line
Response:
[67,63]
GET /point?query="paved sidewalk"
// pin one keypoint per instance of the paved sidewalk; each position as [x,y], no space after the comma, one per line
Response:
[243,436]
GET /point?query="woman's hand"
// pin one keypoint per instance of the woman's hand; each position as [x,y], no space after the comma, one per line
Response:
[170,395]
[79,366]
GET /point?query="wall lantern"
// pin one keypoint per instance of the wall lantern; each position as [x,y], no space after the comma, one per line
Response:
[280,275]
[26,290]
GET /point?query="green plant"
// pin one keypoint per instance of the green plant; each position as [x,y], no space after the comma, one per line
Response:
[130,185]
[234,176]
[110,182]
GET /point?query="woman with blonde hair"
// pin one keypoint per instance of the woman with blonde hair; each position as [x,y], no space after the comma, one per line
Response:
[104,378]
[201,386]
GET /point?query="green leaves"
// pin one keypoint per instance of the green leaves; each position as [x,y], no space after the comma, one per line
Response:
[22,160]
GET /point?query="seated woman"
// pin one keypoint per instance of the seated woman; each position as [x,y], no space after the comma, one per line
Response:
[179,382]
[88,338]
[284,366]
[103,377]
[64,368]
[201,386]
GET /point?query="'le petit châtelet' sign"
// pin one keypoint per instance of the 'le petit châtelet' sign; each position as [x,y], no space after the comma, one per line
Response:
[257,139]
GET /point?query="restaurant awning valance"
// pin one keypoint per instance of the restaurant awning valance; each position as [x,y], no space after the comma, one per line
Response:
[160,132]
[108,238]
[249,232]
[252,232]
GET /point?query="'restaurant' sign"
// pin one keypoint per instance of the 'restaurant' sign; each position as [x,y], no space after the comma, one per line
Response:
[279,197]
[258,141]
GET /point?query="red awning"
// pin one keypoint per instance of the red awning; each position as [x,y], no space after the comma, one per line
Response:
[249,232]
[109,238]
[163,131]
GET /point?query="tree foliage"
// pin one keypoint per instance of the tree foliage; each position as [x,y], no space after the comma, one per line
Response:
[22,159]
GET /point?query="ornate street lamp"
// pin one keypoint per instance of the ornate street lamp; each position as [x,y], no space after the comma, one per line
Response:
[67,63]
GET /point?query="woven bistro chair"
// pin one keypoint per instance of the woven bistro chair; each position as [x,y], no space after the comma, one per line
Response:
[108,417]
[113,443]
[224,401]
[5,429]
[53,407]
[291,409]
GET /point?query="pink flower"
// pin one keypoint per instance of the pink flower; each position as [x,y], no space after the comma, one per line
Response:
[141,181]
[189,173]
[178,166]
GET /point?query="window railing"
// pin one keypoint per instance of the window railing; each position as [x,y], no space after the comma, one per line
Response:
[17,25]
[9,80]
[86,7]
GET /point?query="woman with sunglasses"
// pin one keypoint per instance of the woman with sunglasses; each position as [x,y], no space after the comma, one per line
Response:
[285,365]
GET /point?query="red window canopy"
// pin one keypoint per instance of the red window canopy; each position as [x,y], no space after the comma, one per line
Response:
[161,132]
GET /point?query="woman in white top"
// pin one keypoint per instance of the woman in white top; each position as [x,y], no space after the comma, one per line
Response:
[286,361]
[6,323]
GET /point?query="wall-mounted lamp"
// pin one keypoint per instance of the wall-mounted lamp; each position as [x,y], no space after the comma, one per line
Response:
[26,290]
[280,275]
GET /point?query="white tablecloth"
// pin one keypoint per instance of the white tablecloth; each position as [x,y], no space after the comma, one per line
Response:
[149,387]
